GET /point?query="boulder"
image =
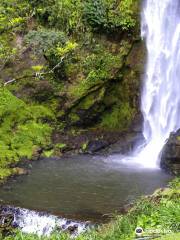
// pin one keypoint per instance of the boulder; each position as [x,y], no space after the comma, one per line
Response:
[170,159]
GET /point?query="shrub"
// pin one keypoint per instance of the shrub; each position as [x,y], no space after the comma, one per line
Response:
[43,40]
[111,15]
[13,14]
[95,14]
[62,14]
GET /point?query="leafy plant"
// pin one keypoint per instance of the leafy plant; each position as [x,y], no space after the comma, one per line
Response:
[43,40]
[68,48]
[61,145]
[111,15]
[64,15]
[95,13]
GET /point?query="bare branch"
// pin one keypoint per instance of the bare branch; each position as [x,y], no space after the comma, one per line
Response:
[8,82]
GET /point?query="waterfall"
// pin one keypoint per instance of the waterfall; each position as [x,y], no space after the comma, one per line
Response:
[160,101]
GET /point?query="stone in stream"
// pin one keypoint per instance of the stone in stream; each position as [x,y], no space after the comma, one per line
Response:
[72,229]
[39,223]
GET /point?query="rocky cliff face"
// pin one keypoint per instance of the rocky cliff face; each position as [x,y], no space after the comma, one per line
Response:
[86,66]
[100,86]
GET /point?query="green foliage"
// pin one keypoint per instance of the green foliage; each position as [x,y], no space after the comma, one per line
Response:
[13,17]
[60,145]
[95,13]
[111,15]
[38,68]
[84,146]
[98,68]
[55,46]
[48,153]
[7,52]
[68,48]
[128,16]
[59,148]
[64,15]
[13,14]
[75,16]
[21,129]
[175,184]
[51,44]
[4,173]
[43,40]
[173,236]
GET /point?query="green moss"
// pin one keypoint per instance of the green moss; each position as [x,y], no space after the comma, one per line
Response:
[91,99]
[178,138]
[21,129]
[48,153]
[4,173]
[119,118]
[60,113]
[61,146]
[88,102]
[74,117]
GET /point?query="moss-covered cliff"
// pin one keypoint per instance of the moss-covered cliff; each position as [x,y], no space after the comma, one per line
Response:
[77,64]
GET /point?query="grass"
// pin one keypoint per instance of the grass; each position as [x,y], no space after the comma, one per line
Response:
[174,236]
[159,212]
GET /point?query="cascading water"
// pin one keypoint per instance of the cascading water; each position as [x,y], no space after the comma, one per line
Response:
[160,102]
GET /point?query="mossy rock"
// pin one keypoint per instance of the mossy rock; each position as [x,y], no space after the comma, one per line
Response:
[88,110]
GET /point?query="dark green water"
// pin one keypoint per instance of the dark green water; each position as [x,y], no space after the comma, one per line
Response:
[80,187]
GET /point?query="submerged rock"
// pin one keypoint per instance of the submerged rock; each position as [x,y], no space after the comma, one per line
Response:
[39,223]
[170,160]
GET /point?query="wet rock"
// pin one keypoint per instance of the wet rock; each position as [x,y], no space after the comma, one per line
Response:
[37,153]
[72,229]
[126,145]
[170,160]
[20,171]
[96,145]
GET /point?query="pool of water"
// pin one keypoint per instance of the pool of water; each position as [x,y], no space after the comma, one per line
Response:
[81,187]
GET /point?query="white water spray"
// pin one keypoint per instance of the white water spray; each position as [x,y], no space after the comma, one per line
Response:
[160,102]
